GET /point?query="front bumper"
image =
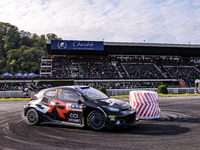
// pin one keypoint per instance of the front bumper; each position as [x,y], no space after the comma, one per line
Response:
[123,120]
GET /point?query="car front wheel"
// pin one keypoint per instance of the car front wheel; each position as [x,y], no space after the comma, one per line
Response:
[96,120]
[32,117]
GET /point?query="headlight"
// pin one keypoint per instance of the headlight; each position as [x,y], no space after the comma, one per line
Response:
[113,109]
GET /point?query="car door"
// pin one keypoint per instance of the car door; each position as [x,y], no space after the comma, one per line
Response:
[65,106]
[45,101]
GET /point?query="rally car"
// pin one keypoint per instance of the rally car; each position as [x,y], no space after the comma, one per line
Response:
[79,106]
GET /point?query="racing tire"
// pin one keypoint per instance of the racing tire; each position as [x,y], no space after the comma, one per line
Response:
[32,117]
[96,120]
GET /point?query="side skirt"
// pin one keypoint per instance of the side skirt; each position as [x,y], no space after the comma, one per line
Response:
[47,120]
[64,123]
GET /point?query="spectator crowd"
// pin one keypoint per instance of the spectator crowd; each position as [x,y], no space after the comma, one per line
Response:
[102,67]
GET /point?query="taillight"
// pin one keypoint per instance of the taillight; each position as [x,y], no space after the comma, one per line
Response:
[33,98]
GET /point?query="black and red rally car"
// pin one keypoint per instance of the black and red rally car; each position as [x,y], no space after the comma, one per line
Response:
[78,106]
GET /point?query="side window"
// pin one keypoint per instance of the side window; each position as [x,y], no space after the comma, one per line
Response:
[67,95]
[50,93]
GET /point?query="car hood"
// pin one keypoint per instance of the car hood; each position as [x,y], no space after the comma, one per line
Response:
[112,102]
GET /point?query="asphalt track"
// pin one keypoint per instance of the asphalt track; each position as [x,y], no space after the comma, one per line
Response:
[177,129]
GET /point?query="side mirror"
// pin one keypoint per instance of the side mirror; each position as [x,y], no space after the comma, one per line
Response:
[80,102]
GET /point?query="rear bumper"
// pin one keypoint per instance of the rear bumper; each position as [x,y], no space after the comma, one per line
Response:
[25,110]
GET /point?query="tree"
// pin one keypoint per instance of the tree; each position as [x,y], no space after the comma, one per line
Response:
[12,59]
[25,60]
[41,44]
[30,60]
[52,36]
[162,89]
[2,64]
[21,50]
[9,37]
[25,39]
[103,89]
[35,37]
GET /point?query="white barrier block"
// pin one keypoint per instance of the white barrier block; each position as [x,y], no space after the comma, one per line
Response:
[145,103]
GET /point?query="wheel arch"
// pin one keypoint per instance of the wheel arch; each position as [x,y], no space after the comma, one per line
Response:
[26,110]
[33,119]
[90,109]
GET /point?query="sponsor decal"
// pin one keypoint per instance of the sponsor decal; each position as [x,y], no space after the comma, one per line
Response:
[127,112]
[73,115]
[114,101]
[74,120]
[52,103]
[58,107]
[62,45]
[76,107]
[40,106]
[111,116]
[62,109]
[76,45]
[124,105]
[83,45]
[112,119]
[68,106]
[86,90]
[59,91]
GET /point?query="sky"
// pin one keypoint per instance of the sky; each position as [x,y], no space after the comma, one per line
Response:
[137,21]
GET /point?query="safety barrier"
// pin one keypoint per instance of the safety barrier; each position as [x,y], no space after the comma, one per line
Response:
[110,92]
[145,103]
[8,94]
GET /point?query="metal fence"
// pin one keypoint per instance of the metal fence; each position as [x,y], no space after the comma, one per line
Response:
[7,94]
[112,92]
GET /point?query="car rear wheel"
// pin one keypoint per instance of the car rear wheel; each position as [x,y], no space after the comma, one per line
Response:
[96,120]
[32,117]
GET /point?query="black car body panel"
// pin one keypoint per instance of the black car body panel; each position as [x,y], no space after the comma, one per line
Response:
[71,105]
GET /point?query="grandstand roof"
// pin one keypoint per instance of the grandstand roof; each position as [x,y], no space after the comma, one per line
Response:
[130,48]
[145,44]
[151,44]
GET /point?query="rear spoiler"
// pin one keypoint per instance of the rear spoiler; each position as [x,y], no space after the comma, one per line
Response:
[34,89]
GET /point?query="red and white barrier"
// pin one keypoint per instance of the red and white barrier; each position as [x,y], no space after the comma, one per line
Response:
[145,103]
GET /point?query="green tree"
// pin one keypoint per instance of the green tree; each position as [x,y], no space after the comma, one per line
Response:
[35,38]
[9,37]
[12,59]
[27,60]
[103,89]
[25,39]
[2,64]
[21,51]
[162,89]
[30,60]
[41,44]
[52,36]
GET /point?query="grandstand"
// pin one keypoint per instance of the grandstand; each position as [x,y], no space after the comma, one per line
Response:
[122,65]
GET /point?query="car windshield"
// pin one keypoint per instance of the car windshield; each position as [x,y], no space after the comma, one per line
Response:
[93,94]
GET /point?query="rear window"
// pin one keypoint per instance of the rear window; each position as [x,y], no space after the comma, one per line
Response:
[67,95]
[40,94]
[50,93]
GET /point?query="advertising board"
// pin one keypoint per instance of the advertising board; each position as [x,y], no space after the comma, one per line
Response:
[76,45]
